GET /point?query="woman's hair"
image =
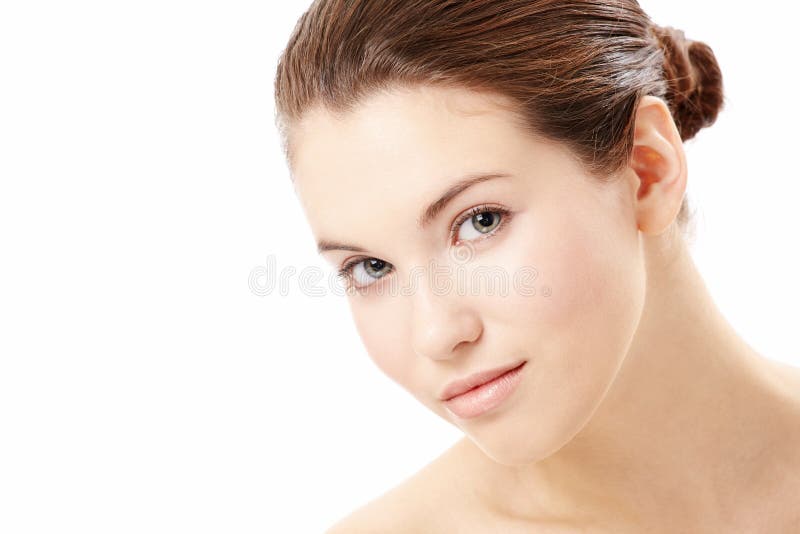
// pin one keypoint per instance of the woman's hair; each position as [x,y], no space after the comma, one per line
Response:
[574,71]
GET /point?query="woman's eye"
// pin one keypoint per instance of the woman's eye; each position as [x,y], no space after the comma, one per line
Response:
[480,223]
[362,273]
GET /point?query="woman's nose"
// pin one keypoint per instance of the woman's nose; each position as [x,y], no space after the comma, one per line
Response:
[440,323]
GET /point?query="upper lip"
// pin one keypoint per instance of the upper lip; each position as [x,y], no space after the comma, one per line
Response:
[457,387]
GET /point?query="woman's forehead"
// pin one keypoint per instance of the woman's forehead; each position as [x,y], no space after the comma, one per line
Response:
[394,136]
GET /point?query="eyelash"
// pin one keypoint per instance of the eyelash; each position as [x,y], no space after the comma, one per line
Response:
[505,215]
[346,272]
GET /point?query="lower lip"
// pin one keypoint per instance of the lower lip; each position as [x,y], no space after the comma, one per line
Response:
[485,397]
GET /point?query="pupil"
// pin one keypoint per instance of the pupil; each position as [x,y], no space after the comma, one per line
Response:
[485,220]
[376,265]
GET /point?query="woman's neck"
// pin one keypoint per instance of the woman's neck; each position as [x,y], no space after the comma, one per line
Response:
[688,430]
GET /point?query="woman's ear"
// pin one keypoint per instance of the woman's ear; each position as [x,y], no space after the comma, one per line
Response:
[659,164]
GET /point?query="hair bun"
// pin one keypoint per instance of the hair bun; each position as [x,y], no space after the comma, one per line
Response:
[695,91]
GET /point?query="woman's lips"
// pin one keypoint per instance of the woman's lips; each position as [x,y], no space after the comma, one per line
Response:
[485,397]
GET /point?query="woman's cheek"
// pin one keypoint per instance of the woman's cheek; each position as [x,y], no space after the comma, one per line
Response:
[381,327]
[583,302]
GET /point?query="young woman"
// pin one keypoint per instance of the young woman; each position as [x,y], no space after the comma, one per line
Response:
[540,141]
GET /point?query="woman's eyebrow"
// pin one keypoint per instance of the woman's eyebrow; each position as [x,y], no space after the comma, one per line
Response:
[433,210]
[325,245]
[430,213]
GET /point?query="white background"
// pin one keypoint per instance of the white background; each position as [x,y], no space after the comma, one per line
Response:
[143,386]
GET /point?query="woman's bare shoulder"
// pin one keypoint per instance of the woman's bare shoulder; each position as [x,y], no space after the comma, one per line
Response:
[396,510]
[389,513]
[419,503]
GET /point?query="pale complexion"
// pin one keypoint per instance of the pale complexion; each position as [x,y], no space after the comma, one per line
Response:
[639,405]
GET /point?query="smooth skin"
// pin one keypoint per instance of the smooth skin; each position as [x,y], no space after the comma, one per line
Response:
[640,408]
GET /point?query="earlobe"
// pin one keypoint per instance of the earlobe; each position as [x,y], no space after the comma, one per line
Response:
[659,162]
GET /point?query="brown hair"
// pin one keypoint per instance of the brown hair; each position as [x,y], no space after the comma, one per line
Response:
[575,71]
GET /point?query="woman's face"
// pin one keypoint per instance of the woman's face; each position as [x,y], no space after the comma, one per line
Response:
[432,307]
